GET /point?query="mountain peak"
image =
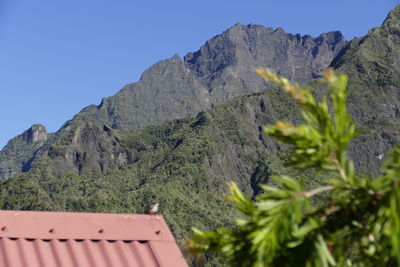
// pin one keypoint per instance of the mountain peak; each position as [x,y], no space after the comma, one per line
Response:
[393,15]
[249,46]
[17,154]
[37,133]
[392,21]
[249,29]
[332,37]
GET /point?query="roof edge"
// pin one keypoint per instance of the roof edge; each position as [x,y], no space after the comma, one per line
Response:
[78,225]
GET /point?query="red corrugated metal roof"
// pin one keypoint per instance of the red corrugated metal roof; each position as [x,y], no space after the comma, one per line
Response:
[29,238]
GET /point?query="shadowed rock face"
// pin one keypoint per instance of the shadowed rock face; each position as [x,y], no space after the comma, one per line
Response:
[36,134]
[85,147]
[225,63]
[220,70]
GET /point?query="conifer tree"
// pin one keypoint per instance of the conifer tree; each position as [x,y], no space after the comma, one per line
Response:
[357,225]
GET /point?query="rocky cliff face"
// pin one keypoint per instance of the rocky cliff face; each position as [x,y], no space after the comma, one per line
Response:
[17,154]
[35,135]
[220,70]
[225,63]
[84,147]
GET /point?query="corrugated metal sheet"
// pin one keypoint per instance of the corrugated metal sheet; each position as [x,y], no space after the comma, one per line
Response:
[86,239]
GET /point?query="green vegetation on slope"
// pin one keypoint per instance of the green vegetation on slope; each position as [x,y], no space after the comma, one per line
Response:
[373,66]
[359,223]
[184,165]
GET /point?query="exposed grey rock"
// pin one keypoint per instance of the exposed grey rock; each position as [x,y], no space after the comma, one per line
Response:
[166,90]
[17,154]
[85,147]
[226,62]
[35,135]
[220,70]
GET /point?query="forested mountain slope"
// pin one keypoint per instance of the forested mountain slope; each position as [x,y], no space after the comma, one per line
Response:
[373,66]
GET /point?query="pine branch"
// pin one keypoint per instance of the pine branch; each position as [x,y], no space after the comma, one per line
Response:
[318,190]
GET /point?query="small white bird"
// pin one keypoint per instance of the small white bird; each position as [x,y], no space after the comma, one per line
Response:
[153,208]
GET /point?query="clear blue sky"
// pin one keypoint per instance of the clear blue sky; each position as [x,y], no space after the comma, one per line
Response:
[57,57]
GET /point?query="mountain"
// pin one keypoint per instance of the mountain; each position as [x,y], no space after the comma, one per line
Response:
[224,142]
[176,88]
[220,70]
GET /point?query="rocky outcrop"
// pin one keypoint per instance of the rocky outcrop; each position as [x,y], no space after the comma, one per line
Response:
[84,147]
[16,156]
[35,135]
[226,62]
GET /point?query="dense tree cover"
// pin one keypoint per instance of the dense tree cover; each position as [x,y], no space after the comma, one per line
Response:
[358,224]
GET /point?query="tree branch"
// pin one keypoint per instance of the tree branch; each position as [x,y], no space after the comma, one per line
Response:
[318,190]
